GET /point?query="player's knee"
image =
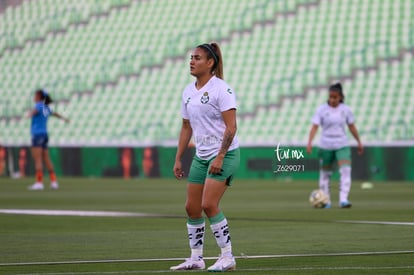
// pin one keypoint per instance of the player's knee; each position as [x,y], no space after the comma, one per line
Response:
[209,208]
[326,168]
[344,163]
[188,207]
[193,210]
[345,173]
[39,166]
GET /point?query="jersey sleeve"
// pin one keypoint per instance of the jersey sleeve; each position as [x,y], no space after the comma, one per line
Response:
[39,108]
[50,110]
[184,112]
[227,99]
[350,119]
[317,118]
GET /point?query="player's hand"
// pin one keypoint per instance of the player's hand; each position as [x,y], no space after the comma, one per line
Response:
[309,149]
[29,114]
[177,170]
[215,166]
[360,149]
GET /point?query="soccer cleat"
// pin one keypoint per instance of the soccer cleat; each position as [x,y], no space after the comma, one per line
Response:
[54,185]
[327,206]
[224,263]
[36,186]
[345,204]
[190,264]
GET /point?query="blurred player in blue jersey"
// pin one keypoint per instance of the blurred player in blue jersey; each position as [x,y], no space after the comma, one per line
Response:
[40,115]
[333,117]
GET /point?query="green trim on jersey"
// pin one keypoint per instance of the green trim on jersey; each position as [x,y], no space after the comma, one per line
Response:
[330,157]
[199,168]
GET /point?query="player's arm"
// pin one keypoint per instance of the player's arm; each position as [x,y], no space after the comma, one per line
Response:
[32,112]
[229,118]
[59,116]
[36,110]
[312,134]
[354,132]
[185,136]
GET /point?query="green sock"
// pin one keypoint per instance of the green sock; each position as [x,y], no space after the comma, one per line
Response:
[217,218]
[195,221]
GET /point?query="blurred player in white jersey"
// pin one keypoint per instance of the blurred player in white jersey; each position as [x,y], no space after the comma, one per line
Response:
[208,108]
[333,117]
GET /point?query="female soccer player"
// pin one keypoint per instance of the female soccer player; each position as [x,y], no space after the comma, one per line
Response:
[40,138]
[333,116]
[209,114]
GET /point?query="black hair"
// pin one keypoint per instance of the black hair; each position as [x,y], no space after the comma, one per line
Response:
[44,96]
[337,87]
[213,51]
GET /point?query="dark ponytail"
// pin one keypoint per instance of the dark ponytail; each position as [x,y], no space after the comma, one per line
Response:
[213,51]
[44,96]
[338,89]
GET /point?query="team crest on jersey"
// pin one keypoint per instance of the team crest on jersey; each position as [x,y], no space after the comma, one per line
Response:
[205,98]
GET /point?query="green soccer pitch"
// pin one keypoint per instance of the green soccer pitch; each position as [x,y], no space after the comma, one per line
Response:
[274,229]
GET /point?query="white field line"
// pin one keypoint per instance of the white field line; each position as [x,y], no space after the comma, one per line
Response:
[78,213]
[310,268]
[213,258]
[82,213]
[379,222]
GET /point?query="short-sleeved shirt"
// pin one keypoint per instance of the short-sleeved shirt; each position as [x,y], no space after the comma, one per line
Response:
[203,108]
[333,121]
[39,120]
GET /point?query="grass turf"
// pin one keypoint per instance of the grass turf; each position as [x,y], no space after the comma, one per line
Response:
[266,218]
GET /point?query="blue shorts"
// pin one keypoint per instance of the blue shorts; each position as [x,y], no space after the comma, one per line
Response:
[40,140]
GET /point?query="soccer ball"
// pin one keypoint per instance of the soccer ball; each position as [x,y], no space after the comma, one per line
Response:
[318,198]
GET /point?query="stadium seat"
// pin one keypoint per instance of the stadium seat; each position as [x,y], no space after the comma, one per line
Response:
[136,58]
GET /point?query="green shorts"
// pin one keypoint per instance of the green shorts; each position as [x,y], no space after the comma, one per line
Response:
[199,168]
[330,157]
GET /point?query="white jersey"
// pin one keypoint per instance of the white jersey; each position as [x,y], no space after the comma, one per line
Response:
[203,108]
[333,122]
